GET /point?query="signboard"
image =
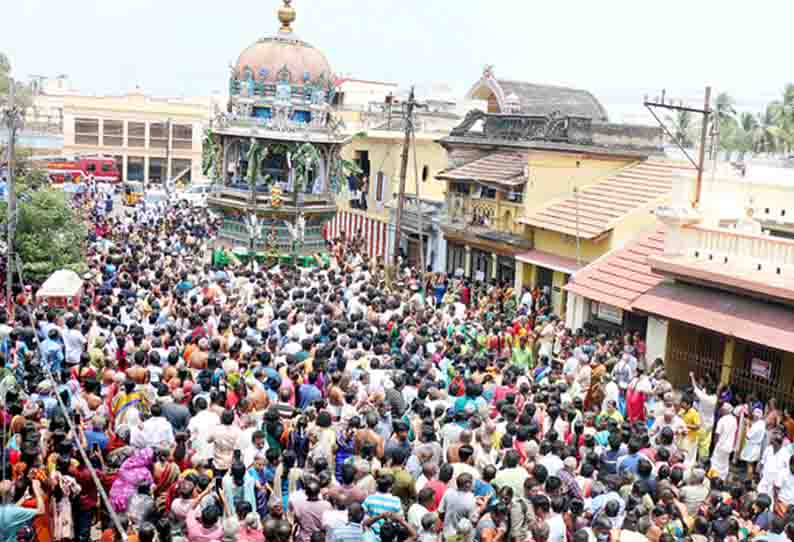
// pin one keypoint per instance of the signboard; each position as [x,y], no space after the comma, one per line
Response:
[609,313]
[760,368]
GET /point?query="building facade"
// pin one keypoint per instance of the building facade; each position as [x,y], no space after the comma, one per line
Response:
[540,183]
[715,291]
[151,138]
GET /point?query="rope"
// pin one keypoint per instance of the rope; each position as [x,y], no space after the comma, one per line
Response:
[83,454]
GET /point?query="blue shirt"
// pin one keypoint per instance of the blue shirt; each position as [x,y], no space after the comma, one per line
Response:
[96,437]
[307,394]
[379,503]
[11,519]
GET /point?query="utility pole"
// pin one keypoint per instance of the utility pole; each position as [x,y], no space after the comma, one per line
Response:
[409,120]
[168,158]
[13,120]
[706,113]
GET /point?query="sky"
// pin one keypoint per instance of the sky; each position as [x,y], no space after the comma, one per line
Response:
[620,50]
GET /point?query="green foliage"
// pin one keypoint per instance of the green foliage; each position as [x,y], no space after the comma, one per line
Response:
[303,159]
[49,235]
[211,157]
[23,96]
[682,127]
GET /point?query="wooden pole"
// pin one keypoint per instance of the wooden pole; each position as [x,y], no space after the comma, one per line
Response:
[403,174]
[702,153]
[11,221]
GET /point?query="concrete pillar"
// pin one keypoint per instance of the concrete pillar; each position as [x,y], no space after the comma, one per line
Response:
[146,136]
[656,339]
[146,169]
[518,283]
[441,257]
[577,311]
[467,262]
[727,360]
[494,262]
[124,166]
[125,136]
[101,128]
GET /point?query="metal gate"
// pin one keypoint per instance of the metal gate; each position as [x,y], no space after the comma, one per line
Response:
[696,350]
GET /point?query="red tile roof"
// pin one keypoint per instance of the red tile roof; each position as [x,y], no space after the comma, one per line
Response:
[603,204]
[505,168]
[736,316]
[619,277]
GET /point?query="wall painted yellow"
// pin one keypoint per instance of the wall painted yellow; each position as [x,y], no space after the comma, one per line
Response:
[556,243]
[553,175]
[385,151]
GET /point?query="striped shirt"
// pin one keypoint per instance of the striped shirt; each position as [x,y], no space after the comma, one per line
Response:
[347,532]
[379,503]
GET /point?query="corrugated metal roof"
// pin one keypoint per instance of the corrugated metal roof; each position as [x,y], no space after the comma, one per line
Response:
[622,275]
[602,205]
[729,314]
[505,168]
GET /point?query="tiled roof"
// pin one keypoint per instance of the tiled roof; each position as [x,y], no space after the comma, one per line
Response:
[505,168]
[733,315]
[621,276]
[545,99]
[602,205]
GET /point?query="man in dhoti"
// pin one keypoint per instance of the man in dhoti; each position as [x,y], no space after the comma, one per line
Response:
[726,438]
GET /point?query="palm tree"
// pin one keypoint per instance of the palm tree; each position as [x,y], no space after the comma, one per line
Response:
[682,125]
[767,131]
[725,123]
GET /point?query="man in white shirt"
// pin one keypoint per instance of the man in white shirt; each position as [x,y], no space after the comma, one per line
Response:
[726,439]
[784,486]
[74,341]
[157,431]
[201,427]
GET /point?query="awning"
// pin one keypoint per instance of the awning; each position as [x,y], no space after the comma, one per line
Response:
[729,314]
[550,261]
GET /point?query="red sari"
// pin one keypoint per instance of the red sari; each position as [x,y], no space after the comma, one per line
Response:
[635,403]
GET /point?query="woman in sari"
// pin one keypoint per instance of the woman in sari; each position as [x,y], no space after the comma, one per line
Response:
[166,474]
[133,472]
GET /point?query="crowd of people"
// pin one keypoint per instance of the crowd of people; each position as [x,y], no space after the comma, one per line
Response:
[188,402]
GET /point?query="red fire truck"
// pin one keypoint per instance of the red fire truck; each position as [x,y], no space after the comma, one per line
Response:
[82,168]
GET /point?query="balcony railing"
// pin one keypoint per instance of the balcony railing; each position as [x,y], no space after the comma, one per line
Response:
[737,248]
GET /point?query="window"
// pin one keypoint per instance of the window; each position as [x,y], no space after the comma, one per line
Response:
[86,131]
[106,168]
[91,168]
[425,173]
[487,193]
[158,135]
[461,188]
[157,170]
[136,134]
[113,133]
[135,168]
[380,181]
[180,170]
[182,136]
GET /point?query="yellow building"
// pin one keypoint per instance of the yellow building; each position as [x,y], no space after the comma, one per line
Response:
[151,138]
[541,183]
[368,205]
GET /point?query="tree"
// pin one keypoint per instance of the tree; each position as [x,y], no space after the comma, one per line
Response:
[23,95]
[766,133]
[50,235]
[682,127]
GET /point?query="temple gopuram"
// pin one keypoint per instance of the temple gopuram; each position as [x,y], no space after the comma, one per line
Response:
[274,154]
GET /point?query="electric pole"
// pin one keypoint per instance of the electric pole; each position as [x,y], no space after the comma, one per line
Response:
[12,120]
[409,120]
[706,113]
